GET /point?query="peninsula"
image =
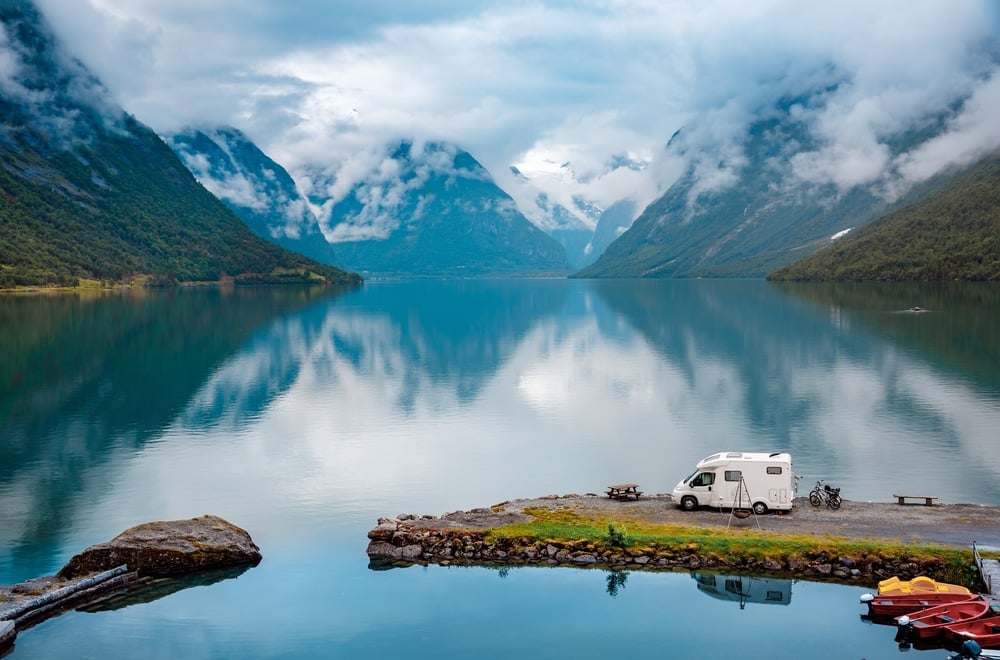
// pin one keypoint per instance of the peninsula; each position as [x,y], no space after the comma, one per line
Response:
[860,543]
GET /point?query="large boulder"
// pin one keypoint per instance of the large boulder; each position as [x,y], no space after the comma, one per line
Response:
[169,548]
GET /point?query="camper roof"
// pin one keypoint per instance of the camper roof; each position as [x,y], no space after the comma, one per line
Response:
[721,457]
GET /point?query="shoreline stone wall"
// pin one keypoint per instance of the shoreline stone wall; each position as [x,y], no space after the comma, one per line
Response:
[396,542]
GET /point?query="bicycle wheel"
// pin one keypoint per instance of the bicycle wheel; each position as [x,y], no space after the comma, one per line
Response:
[835,502]
[815,499]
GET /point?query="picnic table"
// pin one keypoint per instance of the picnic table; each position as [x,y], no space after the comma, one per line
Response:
[624,491]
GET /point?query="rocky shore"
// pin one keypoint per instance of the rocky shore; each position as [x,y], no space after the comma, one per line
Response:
[139,557]
[461,537]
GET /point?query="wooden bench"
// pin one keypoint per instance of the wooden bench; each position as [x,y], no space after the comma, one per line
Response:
[928,499]
[624,492]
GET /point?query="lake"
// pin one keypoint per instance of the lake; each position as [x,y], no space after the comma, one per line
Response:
[302,415]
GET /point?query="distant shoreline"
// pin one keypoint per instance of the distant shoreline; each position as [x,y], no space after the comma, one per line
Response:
[124,286]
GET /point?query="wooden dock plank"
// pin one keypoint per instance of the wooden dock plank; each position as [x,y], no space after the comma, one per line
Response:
[989,571]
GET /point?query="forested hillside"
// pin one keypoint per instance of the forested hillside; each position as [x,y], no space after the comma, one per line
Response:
[953,234]
[89,192]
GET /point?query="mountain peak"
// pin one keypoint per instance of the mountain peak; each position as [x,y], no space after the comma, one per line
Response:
[430,208]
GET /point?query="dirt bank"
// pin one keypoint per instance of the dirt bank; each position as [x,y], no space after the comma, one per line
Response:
[951,524]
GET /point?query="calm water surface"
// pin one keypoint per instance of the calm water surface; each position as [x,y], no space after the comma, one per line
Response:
[303,416]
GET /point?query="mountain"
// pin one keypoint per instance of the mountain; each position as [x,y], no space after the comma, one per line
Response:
[433,210]
[952,234]
[574,221]
[257,189]
[87,191]
[746,216]
[612,223]
[566,227]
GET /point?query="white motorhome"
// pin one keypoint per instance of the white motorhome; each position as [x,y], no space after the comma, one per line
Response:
[739,480]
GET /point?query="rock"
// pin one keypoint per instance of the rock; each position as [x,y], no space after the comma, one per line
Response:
[169,548]
[824,569]
[7,633]
[383,532]
[584,559]
[383,550]
[411,552]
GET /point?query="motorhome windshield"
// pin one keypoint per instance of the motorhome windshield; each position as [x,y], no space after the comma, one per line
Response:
[689,477]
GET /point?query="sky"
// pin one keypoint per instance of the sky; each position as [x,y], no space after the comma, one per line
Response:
[558,88]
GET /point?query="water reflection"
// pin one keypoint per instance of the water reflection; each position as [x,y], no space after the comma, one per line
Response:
[303,419]
[294,411]
[616,581]
[88,379]
[153,589]
[744,589]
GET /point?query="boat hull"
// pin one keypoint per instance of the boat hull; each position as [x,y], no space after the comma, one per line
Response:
[930,623]
[893,605]
[985,631]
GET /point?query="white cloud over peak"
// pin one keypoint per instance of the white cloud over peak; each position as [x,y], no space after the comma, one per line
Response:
[326,85]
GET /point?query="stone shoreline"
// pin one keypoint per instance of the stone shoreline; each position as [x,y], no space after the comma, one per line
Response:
[137,558]
[460,538]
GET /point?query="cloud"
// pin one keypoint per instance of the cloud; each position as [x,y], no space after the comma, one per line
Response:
[382,183]
[61,109]
[541,82]
[970,135]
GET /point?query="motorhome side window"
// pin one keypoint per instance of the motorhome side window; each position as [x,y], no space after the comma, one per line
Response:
[774,470]
[733,475]
[704,479]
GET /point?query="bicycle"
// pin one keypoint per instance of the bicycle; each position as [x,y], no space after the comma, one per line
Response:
[825,493]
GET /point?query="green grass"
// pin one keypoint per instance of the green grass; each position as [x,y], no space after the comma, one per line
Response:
[572,529]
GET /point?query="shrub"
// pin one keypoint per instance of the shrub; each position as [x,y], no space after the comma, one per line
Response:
[617,537]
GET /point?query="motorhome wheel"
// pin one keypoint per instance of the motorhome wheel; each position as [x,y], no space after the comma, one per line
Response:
[689,503]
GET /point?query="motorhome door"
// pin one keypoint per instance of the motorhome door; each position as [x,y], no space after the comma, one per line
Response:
[701,485]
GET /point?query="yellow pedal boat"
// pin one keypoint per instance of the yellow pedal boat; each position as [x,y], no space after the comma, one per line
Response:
[919,585]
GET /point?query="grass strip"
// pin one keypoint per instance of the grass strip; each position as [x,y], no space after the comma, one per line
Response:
[592,532]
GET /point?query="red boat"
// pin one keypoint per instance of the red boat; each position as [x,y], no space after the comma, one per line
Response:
[986,631]
[892,605]
[929,623]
